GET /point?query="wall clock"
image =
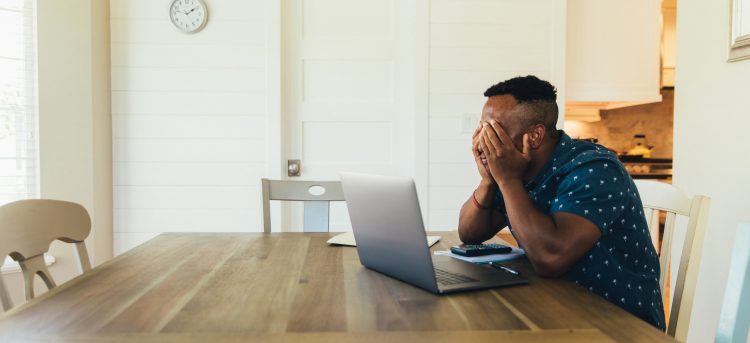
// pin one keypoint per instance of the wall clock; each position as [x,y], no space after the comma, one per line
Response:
[189,16]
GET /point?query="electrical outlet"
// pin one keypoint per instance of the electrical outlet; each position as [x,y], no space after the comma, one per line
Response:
[469,122]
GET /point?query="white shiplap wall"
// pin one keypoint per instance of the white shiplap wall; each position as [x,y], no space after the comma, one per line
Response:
[189,119]
[474,44]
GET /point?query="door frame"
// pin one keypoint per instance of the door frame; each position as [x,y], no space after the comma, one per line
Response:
[275,140]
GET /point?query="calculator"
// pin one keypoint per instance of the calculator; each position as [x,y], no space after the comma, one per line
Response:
[480,249]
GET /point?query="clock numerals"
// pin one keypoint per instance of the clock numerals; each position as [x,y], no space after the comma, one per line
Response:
[188,15]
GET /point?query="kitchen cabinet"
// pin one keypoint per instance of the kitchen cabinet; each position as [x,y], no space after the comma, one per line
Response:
[612,55]
[669,20]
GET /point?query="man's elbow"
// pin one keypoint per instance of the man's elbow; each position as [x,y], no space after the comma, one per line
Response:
[550,265]
[468,237]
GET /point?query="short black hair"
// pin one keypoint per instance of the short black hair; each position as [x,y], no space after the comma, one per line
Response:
[536,97]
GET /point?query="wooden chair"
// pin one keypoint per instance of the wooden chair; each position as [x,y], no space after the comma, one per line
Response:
[735,311]
[317,196]
[660,197]
[28,227]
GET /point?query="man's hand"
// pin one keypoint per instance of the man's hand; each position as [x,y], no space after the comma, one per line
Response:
[480,158]
[504,161]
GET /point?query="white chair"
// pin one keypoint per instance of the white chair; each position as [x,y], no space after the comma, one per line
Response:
[662,197]
[317,197]
[28,227]
[735,311]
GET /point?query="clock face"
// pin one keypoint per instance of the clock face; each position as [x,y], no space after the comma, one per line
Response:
[188,15]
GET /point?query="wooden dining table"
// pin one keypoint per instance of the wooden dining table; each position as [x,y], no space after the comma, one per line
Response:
[294,287]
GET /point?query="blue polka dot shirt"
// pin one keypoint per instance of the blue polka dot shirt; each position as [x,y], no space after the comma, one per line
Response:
[587,180]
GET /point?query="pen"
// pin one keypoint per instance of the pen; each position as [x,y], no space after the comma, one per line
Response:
[507,269]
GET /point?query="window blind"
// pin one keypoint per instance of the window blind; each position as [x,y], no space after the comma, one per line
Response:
[18,103]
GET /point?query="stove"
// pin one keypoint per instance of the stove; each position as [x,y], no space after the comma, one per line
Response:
[641,167]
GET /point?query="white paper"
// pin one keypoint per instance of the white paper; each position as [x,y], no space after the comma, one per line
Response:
[347,238]
[513,255]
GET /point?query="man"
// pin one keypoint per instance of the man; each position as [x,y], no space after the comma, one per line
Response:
[570,205]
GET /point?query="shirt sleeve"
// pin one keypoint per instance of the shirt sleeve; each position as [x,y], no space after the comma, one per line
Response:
[597,191]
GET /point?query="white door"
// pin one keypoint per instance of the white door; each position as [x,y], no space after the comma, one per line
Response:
[347,91]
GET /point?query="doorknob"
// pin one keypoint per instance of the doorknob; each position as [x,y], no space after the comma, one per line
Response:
[293,167]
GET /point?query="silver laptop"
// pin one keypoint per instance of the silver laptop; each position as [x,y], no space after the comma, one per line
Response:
[391,238]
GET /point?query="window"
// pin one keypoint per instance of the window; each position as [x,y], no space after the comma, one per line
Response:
[18,107]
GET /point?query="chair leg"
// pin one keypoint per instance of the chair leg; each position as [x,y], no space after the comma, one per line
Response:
[4,297]
[83,257]
[35,266]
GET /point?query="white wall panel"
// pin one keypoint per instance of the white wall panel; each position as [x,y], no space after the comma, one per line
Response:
[187,55]
[443,197]
[442,128]
[455,103]
[189,79]
[451,151]
[244,10]
[444,220]
[164,102]
[189,150]
[186,220]
[160,31]
[454,174]
[188,126]
[190,116]
[187,174]
[188,197]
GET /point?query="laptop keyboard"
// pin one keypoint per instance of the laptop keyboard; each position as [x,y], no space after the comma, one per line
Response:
[447,278]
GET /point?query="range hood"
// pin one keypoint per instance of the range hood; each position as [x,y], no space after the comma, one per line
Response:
[589,111]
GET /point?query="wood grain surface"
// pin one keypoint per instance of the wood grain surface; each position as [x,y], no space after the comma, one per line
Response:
[293,287]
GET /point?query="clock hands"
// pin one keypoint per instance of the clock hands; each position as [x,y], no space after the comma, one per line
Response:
[187,12]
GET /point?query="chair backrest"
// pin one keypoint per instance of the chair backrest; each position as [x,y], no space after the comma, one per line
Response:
[316,196]
[735,311]
[28,227]
[658,197]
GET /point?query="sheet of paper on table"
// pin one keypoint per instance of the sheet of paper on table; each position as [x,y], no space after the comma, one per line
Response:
[347,238]
[517,253]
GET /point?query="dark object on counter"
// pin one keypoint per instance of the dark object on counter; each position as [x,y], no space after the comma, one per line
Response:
[592,139]
[639,158]
[640,167]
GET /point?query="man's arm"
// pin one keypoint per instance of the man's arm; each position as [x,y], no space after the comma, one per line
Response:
[475,224]
[552,243]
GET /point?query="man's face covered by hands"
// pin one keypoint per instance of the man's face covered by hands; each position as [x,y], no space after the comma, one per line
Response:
[499,108]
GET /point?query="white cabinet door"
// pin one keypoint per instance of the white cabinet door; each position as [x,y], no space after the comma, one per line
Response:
[613,50]
[347,91]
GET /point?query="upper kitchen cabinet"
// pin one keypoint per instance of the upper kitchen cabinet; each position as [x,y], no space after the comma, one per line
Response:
[613,54]
[669,20]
